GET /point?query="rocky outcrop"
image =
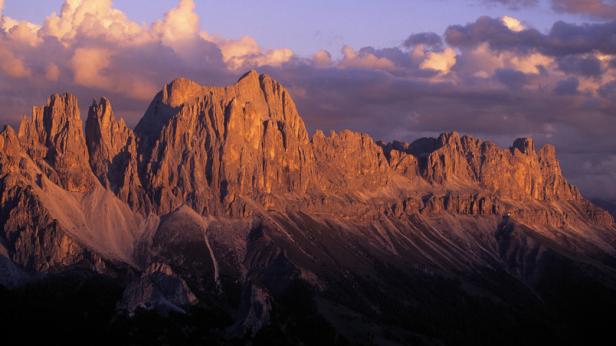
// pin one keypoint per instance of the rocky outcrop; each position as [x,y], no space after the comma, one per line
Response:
[242,150]
[349,161]
[455,161]
[219,198]
[112,148]
[219,145]
[31,237]
[53,137]
[158,288]
[54,212]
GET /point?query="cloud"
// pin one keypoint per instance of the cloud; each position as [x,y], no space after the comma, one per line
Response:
[512,24]
[94,20]
[514,4]
[429,39]
[88,66]
[588,66]
[364,59]
[322,58]
[52,72]
[533,63]
[567,86]
[608,90]
[593,8]
[562,39]
[13,66]
[511,78]
[245,53]
[179,27]
[440,61]
[605,9]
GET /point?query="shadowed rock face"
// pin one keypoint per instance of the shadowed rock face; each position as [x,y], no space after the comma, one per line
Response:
[220,198]
[112,147]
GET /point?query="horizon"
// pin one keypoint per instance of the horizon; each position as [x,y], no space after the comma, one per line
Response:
[492,69]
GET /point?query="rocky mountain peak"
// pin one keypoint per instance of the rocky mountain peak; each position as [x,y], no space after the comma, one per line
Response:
[59,116]
[112,147]
[103,128]
[524,145]
[449,139]
[251,76]
[220,197]
[463,161]
[9,142]
[54,137]
[180,91]
[219,143]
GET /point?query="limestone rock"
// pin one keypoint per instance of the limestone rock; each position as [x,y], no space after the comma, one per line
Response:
[220,197]
[112,148]
[457,161]
[349,161]
[218,145]
[54,139]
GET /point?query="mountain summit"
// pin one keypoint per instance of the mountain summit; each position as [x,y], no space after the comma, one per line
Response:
[220,198]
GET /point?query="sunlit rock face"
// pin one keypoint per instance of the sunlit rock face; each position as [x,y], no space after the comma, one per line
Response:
[212,147]
[53,137]
[349,161]
[519,172]
[220,199]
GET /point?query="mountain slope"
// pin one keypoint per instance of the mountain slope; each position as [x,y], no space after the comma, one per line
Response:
[220,200]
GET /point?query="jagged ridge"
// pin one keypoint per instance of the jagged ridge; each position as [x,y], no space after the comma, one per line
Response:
[221,190]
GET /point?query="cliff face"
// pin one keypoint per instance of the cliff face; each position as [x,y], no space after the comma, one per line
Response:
[349,162]
[207,147]
[220,195]
[53,137]
[519,173]
[112,148]
[42,152]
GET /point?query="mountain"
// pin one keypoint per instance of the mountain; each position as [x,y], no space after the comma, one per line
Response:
[608,205]
[224,216]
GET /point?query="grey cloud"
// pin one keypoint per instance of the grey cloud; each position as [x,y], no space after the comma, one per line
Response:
[511,78]
[494,32]
[562,39]
[593,8]
[588,66]
[394,54]
[430,39]
[514,4]
[608,90]
[568,86]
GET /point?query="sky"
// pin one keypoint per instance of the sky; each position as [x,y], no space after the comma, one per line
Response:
[497,69]
[307,26]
